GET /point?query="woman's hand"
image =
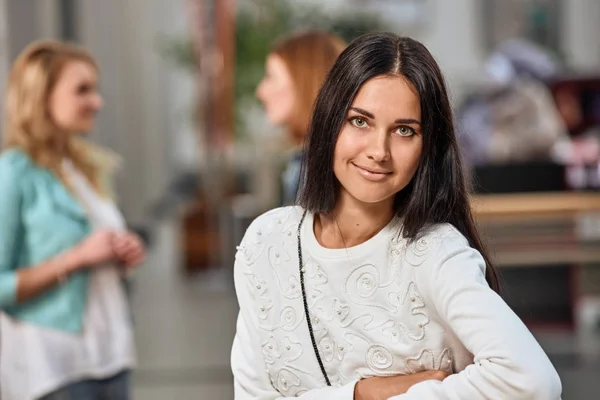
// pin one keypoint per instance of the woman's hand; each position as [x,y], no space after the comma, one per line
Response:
[97,248]
[382,388]
[129,249]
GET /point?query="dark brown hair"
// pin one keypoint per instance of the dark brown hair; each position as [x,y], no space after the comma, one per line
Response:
[438,192]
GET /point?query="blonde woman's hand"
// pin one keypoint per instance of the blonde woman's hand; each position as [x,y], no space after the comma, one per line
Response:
[97,248]
[129,249]
[382,388]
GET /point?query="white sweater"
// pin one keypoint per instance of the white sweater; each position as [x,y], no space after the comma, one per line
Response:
[382,308]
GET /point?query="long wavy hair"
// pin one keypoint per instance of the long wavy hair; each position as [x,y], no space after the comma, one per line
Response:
[28,124]
[438,192]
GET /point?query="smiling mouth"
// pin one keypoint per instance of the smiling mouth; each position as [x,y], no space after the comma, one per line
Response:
[372,171]
[372,175]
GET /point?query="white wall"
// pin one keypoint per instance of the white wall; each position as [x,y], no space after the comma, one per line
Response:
[581,38]
[4,61]
[454,36]
[449,29]
[180,91]
[123,34]
[21,22]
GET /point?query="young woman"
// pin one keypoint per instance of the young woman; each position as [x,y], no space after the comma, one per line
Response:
[377,286]
[65,326]
[295,70]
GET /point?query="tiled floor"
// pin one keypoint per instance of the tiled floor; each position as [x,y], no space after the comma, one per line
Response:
[185,329]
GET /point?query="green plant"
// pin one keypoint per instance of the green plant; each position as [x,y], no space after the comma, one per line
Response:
[179,51]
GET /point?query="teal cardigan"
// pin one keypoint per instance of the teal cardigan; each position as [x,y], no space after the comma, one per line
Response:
[39,219]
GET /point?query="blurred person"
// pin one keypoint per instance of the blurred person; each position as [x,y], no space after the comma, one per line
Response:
[295,70]
[65,324]
[513,117]
[377,284]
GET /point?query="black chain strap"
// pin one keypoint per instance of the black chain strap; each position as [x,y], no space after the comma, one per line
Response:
[309,323]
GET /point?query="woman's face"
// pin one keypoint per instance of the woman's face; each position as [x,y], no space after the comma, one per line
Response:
[379,146]
[75,101]
[276,91]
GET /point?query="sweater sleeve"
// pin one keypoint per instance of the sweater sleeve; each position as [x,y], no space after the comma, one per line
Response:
[508,361]
[10,223]
[251,380]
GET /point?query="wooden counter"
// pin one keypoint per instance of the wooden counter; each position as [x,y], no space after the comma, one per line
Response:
[535,204]
[540,229]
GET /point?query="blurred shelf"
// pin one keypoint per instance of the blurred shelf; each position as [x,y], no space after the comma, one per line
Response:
[534,204]
[545,257]
[540,229]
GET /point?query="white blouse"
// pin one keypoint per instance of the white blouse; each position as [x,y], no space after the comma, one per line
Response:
[382,308]
[35,361]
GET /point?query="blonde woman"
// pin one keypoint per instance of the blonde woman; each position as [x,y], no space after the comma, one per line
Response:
[65,329]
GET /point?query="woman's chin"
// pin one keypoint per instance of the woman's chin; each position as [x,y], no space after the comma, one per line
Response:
[371,196]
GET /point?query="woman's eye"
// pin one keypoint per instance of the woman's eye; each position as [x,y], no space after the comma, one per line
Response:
[405,131]
[83,89]
[359,122]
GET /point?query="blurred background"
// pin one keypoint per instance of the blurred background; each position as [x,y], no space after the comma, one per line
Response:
[201,160]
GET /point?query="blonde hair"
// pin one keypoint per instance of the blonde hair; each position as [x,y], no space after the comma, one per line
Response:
[29,126]
[308,56]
